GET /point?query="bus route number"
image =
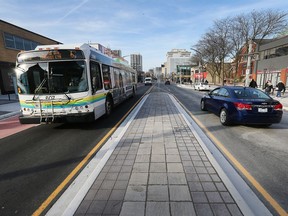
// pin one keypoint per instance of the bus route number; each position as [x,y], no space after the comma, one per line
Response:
[50,97]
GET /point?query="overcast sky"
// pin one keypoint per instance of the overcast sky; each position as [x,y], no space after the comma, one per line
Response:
[149,27]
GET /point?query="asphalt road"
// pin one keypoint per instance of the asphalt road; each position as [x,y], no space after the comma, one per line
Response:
[261,151]
[35,161]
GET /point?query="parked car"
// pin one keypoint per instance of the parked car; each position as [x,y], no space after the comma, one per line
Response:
[167,82]
[242,105]
[148,81]
[202,86]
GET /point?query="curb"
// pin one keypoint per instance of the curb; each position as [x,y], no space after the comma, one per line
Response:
[8,115]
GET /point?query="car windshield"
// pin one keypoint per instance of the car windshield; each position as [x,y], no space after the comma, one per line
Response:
[52,77]
[247,93]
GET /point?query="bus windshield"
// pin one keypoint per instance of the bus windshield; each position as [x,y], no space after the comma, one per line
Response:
[52,77]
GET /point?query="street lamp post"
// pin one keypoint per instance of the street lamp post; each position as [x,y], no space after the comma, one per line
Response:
[248,63]
[251,54]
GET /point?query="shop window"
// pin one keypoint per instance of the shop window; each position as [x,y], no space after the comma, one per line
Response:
[27,45]
[9,41]
[282,51]
[19,43]
[15,42]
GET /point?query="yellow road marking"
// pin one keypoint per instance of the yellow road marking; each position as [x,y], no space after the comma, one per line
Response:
[238,165]
[65,182]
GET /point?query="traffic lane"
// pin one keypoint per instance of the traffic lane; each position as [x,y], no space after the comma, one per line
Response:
[35,161]
[260,150]
[30,162]
[11,126]
[33,167]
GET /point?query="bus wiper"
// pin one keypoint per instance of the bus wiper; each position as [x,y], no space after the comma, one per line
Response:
[39,87]
[67,97]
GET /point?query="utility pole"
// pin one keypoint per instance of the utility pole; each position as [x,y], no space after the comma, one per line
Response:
[248,69]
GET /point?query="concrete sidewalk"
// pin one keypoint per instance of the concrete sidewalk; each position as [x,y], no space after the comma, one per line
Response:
[9,106]
[157,168]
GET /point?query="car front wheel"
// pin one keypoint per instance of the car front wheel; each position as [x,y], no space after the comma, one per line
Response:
[224,117]
[203,106]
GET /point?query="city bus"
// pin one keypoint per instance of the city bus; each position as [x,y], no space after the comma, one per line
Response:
[71,83]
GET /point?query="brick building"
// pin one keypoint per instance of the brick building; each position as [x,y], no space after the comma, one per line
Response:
[271,63]
[13,39]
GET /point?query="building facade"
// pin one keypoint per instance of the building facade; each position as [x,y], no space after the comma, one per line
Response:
[273,62]
[176,64]
[13,39]
[269,61]
[176,58]
[157,73]
[136,62]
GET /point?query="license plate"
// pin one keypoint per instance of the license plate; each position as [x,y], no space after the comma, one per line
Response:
[262,110]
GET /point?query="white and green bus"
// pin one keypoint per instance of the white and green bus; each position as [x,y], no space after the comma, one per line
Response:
[71,83]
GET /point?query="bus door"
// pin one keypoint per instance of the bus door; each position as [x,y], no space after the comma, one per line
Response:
[97,87]
[129,86]
[116,86]
[121,85]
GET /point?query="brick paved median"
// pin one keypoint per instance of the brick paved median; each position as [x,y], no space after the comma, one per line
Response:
[158,168]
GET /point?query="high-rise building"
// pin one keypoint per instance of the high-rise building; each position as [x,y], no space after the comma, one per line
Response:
[136,62]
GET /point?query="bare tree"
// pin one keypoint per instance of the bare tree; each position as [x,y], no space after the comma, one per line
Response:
[227,37]
[260,24]
[215,47]
[208,55]
[256,26]
[237,39]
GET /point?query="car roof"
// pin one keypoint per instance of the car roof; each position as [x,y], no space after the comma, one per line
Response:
[235,87]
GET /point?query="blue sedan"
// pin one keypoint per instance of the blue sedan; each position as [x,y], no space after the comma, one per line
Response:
[242,105]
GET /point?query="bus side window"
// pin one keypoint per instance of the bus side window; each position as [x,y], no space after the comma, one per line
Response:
[121,80]
[116,78]
[106,77]
[96,78]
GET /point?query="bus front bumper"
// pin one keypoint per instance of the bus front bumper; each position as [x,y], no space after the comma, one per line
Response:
[79,118]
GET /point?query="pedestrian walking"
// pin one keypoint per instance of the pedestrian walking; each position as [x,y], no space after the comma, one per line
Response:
[253,84]
[268,87]
[279,88]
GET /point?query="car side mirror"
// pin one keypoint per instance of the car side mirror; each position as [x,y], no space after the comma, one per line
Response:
[207,94]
